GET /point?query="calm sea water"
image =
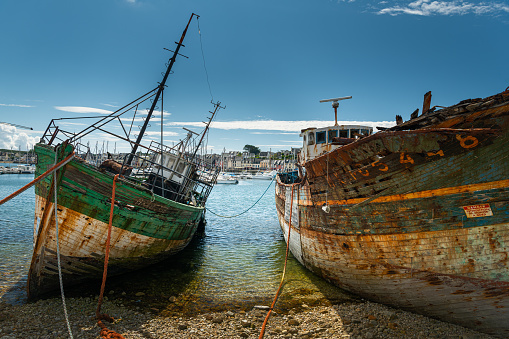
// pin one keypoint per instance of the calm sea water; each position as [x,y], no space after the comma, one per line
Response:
[236,264]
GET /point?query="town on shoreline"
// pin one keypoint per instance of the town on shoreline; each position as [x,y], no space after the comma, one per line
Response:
[251,159]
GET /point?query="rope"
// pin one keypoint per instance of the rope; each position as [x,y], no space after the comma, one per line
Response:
[39,178]
[236,215]
[105,332]
[262,332]
[203,57]
[55,203]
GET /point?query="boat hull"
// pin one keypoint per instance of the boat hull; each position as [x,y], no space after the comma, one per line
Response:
[414,219]
[145,228]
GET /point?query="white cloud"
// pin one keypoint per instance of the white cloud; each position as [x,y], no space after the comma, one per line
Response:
[68,123]
[11,138]
[277,125]
[158,133]
[428,8]
[294,144]
[14,105]
[87,110]
[276,133]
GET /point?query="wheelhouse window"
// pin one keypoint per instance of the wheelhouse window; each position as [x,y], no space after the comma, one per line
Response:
[354,133]
[321,137]
[365,131]
[332,134]
[343,133]
[311,138]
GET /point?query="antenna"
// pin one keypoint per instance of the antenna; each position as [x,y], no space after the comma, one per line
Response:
[335,105]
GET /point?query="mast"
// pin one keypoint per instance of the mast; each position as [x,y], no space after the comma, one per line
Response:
[217,106]
[159,91]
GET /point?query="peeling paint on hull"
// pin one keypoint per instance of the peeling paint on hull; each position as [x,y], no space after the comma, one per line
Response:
[419,219]
[146,228]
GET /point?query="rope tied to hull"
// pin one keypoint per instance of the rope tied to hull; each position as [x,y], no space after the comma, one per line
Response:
[262,332]
[105,332]
[60,279]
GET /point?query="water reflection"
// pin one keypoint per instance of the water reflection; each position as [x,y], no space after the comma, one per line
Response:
[236,264]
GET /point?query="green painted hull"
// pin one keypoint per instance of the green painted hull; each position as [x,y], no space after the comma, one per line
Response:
[145,228]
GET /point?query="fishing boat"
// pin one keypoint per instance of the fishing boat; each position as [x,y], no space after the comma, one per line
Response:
[154,213]
[264,175]
[415,216]
[25,169]
[245,175]
[225,178]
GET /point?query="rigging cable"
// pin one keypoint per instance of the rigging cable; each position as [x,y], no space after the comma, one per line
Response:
[236,215]
[203,57]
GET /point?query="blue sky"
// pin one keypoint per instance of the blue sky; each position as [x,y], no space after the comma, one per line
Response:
[268,61]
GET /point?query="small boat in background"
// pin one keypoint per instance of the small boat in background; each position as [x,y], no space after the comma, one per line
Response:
[415,216]
[25,169]
[265,175]
[245,175]
[227,179]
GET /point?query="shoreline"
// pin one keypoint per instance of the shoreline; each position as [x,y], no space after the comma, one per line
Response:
[349,319]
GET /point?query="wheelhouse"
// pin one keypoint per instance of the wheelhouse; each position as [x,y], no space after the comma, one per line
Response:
[318,141]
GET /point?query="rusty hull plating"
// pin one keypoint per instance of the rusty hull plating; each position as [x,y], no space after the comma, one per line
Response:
[418,215]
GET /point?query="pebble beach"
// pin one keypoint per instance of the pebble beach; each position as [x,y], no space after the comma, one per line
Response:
[352,319]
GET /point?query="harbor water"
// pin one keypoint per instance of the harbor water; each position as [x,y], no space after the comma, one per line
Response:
[236,264]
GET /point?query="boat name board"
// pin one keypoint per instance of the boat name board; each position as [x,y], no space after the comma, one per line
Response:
[468,142]
[476,211]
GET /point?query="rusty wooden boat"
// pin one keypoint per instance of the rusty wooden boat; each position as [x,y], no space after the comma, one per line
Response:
[415,216]
[159,201]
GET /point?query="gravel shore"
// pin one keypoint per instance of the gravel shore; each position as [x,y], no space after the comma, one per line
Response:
[358,319]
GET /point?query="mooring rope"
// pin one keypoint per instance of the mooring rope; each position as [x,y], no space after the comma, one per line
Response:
[262,332]
[55,203]
[105,332]
[236,215]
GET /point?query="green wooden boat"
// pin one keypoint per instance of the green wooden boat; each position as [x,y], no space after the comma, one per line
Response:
[159,200]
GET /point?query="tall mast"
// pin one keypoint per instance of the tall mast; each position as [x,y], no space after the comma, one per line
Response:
[158,94]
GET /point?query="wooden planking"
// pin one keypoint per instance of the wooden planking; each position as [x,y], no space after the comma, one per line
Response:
[81,245]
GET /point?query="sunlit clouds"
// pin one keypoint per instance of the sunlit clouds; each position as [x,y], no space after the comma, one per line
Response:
[15,105]
[83,110]
[12,138]
[278,125]
[429,8]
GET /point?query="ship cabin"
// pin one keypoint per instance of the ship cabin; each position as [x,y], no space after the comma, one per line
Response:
[318,141]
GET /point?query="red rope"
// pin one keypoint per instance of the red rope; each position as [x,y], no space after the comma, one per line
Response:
[105,332]
[262,332]
[39,178]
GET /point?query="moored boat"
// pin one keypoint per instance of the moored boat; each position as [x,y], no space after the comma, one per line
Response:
[25,169]
[156,212]
[227,179]
[264,175]
[415,216]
